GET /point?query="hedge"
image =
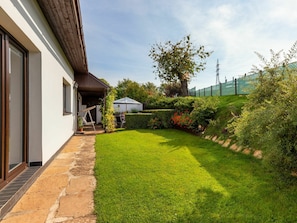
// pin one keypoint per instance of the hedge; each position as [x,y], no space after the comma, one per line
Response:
[141,120]
[137,120]
[164,115]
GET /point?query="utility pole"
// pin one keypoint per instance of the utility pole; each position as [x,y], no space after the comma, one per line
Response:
[218,73]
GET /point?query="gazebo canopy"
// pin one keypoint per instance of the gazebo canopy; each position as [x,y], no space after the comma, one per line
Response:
[126,100]
[127,105]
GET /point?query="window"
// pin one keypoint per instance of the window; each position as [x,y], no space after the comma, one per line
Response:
[66,97]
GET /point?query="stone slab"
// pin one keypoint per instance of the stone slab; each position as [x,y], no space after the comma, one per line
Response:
[76,205]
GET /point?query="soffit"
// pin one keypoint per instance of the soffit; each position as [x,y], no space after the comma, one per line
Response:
[64,19]
[90,83]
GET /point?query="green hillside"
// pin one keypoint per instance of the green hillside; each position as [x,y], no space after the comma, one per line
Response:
[228,107]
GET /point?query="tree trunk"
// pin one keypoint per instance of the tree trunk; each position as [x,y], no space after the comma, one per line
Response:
[184,88]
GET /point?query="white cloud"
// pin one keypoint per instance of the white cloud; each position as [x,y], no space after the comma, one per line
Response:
[283,11]
[120,33]
[235,31]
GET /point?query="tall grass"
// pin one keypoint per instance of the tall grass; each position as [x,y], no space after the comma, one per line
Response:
[172,176]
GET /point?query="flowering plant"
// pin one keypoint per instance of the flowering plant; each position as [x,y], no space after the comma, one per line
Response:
[182,119]
[155,123]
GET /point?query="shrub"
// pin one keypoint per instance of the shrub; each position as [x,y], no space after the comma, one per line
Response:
[182,119]
[177,103]
[108,117]
[164,115]
[269,118]
[134,110]
[272,127]
[155,123]
[185,104]
[204,110]
[229,108]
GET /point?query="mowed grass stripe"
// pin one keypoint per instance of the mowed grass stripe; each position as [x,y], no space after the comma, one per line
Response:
[173,176]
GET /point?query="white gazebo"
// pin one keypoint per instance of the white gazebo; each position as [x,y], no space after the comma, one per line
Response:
[127,105]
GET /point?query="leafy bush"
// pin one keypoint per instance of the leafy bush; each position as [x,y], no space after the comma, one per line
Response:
[229,108]
[164,115]
[269,118]
[155,123]
[177,103]
[182,120]
[204,110]
[185,104]
[108,110]
[272,127]
[161,103]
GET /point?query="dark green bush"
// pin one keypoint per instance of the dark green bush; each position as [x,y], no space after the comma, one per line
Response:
[161,103]
[149,119]
[137,120]
[155,123]
[185,104]
[164,115]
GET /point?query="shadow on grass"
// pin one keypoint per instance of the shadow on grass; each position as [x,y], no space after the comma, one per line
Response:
[205,209]
[176,139]
[254,193]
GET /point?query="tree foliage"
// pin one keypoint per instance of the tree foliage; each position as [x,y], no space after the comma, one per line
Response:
[143,93]
[269,118]
[171,89]
[131,89]
[178,62]
[151,89]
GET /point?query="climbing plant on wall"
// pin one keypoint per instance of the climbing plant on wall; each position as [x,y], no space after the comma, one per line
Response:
[108,110]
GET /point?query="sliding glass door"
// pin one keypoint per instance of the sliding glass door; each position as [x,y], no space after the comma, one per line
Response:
[13,105]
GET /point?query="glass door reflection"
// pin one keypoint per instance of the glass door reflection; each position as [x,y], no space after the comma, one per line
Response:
[16,69]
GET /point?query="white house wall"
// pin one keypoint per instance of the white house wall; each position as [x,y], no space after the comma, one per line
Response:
[49,128]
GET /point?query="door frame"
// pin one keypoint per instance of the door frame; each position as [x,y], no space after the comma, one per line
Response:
[5,175]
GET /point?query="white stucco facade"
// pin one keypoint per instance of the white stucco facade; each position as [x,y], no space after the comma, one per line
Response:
[48,126]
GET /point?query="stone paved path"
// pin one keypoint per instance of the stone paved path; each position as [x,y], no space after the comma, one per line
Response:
[64,191]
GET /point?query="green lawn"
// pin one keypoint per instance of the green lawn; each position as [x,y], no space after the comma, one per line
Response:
[172,176]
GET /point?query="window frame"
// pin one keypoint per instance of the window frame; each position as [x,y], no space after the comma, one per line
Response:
[66,92]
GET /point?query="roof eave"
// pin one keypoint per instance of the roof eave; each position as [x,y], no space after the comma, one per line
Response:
[64,18]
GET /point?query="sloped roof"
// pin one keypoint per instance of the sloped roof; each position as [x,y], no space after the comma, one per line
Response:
[64,18]
[90,83]
[126,100]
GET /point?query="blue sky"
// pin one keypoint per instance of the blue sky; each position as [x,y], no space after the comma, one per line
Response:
[120,33]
